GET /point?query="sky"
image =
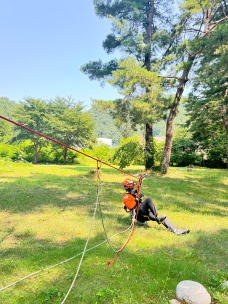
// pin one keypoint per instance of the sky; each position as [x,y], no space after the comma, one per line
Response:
[43,45]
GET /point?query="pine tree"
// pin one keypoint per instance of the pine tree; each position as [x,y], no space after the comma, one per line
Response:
[208,104]
[135,32]
[198,20]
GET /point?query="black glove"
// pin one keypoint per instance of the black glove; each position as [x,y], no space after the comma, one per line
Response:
[125,208]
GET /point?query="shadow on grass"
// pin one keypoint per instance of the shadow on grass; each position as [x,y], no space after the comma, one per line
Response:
[25,194]
[152,270]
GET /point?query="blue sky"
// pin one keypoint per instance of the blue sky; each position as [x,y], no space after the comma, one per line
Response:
[43,45]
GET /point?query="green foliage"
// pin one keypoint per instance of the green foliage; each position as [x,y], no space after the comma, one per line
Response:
[96,70]
[130,25]
[216,154]
[105,126]
[9,151]
[32,114]
[50,212]
[6,108]
[69,123]
[103,152]
[61,118]
[106,294]
[218,279]
[134,24]
[219,292]
[208,104]
[139,85]
[143,101]
[24,151]
[159,128]
[184,149]
[6,131]
[129,152]
[51,294]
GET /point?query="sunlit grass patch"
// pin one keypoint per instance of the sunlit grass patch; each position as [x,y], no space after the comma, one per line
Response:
[46,213]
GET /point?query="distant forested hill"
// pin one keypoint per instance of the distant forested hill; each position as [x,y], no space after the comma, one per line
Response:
[160,127]
[106,125]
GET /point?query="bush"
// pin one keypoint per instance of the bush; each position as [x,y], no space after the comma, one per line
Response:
[103,152]
[130,152]
[184,149]
[215,157]
[8,151]
[25,151]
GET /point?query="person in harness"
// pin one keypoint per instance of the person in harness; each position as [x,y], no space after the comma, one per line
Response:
[147,210]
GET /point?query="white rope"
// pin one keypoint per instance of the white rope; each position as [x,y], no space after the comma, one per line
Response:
[65,261]
[91,226]
[107,238]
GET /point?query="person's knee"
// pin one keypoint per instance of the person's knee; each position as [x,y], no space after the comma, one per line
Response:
[149,200]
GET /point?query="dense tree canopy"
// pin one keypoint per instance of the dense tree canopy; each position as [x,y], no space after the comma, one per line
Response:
[208,102]
[135,24]
[6,108]
[31,113]
[69,124]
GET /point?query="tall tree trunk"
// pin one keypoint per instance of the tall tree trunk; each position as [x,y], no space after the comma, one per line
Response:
[179,93]
[149,146]
[36,151]
[149,34]
[65,155]
[173,113]
[149,158]
[225,123]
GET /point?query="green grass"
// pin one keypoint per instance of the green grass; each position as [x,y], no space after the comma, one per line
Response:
[46,213]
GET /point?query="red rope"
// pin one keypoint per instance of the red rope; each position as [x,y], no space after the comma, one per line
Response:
[139,187]
[110,262]
[98,160]
[49,138]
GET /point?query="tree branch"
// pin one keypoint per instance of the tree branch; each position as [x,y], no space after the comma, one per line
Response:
[175,36]
[166,76]
[200,51]
[193,30]
[221,20]
[225,4]
[165,19]
[213,15]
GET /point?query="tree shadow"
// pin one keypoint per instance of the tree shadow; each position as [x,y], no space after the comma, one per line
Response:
[198,259]
[26,194]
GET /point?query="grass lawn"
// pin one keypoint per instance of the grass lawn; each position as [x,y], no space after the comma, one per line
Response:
[46,212]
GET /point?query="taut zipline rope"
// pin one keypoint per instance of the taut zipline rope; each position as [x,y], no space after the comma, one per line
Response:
[58,142]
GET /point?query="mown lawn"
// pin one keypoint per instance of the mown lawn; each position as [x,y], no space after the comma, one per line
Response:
[46,212]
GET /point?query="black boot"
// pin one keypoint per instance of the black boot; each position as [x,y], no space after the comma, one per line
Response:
[160,219]
[178,231]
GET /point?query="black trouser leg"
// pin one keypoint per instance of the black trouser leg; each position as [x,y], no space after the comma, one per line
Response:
[148,208]
[169,225]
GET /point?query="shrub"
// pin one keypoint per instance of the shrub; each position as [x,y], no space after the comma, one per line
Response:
[129,152]
[103,152]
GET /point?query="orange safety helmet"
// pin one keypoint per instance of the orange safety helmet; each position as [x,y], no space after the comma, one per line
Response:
[129,183]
